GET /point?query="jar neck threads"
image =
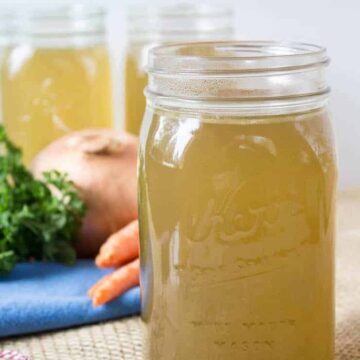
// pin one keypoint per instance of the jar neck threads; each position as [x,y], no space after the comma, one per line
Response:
[264,76]
[182,22]
[54,26]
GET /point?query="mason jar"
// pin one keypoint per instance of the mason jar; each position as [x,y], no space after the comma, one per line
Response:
[150,25]
[55,75]
[237,182]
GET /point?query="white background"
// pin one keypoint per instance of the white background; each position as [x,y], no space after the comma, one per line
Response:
[332,23]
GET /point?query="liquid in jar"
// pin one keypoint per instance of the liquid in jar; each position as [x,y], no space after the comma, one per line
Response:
[47,93]
[237,219]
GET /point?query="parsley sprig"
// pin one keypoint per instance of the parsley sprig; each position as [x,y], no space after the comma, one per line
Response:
[39,219]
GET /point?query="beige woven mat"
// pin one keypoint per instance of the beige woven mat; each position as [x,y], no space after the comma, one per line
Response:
[121,340]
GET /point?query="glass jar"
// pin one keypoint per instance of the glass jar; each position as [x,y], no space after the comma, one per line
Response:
[55,76]
[164,24]
[237,182]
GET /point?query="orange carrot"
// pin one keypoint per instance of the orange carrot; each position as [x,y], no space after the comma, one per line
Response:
[120,248]
[116,283]
[92,290]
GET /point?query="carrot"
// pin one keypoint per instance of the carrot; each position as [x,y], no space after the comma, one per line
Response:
[116,283]
[92,290]
[120,248]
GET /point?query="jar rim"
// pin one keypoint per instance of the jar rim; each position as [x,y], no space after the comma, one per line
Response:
[221,57]
[181,10]
[238,73]
[57,20]
[61,11]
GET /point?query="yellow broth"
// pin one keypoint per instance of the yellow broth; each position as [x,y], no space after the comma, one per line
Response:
[237,236]
[135,83]
[49,92]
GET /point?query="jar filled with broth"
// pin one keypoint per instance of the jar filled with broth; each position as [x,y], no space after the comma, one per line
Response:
[55,75]
[237,182]
[152,25]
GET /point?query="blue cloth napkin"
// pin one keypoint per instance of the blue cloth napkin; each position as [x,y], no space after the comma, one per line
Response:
[46,296]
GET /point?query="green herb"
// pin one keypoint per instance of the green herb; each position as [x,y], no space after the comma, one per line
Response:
[38,219]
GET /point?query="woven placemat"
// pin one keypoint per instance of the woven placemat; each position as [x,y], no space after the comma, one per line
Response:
[348,277]
[121,340]
[118,340]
